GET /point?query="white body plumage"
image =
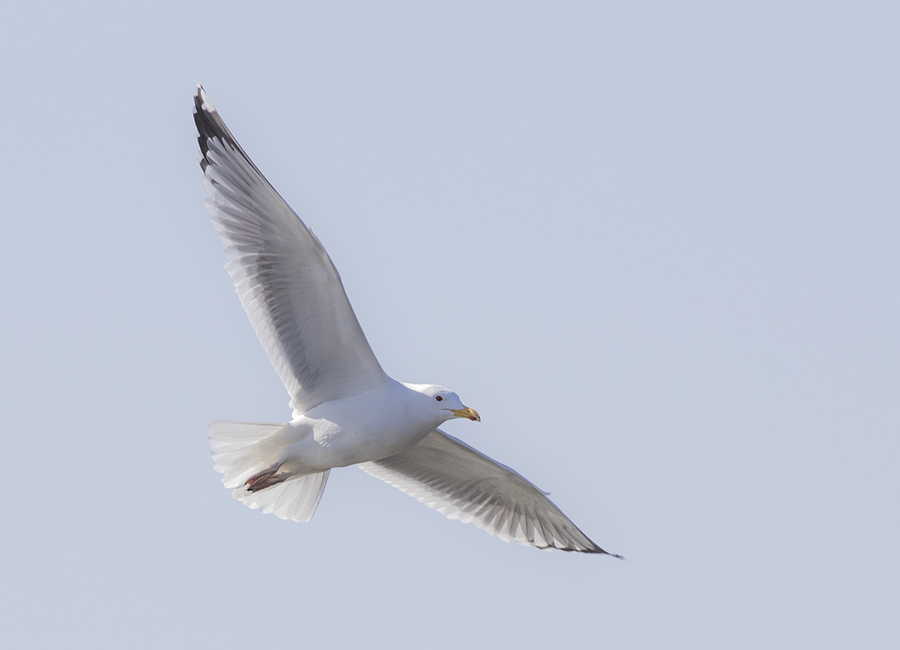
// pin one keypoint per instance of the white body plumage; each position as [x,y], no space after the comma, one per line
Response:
[360,428]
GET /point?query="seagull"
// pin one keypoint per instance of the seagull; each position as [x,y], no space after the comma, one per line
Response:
[346,409]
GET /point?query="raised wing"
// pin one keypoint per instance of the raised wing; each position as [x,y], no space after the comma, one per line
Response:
[286,282]
[446,474]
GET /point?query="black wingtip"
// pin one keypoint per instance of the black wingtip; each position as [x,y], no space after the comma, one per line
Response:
[594,550]
[600,551]
[208,123]
[209,126]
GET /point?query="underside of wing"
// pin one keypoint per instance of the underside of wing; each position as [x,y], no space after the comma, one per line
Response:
[446,474]
[285,280]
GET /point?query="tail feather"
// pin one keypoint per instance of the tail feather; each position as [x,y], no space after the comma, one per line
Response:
[236,449]
[239,452]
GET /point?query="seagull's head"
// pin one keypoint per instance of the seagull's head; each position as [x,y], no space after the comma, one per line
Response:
[444,403]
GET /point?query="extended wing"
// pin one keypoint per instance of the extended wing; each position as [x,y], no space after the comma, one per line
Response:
[446,474]
[286,282]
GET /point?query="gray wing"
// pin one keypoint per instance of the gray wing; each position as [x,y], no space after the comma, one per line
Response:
[446,474]
[286,282]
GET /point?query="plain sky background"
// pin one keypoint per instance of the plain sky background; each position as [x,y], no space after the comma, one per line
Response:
[655,245]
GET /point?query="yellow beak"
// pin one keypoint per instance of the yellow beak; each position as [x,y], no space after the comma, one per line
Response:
[466,412]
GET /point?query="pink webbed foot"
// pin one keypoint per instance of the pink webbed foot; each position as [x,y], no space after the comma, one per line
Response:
[266,478]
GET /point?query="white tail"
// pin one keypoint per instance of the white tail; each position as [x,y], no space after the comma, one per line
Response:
[238,454]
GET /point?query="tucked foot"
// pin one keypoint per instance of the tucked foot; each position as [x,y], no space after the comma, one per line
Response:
[266,478]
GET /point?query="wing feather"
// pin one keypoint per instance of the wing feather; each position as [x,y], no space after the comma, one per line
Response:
[283,276]
[462,483]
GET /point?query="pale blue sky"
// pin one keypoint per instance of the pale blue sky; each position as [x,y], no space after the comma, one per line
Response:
[655,245]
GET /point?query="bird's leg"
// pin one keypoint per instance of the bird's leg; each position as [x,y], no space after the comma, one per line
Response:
[265,478]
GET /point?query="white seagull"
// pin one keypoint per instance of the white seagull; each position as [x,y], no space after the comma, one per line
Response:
[346,410]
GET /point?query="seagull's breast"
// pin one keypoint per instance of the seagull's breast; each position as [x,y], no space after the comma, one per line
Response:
[360,428]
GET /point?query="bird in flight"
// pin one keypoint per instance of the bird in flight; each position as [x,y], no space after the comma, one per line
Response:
[346,410]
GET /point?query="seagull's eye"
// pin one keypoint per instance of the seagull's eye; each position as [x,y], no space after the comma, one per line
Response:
[438,398]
